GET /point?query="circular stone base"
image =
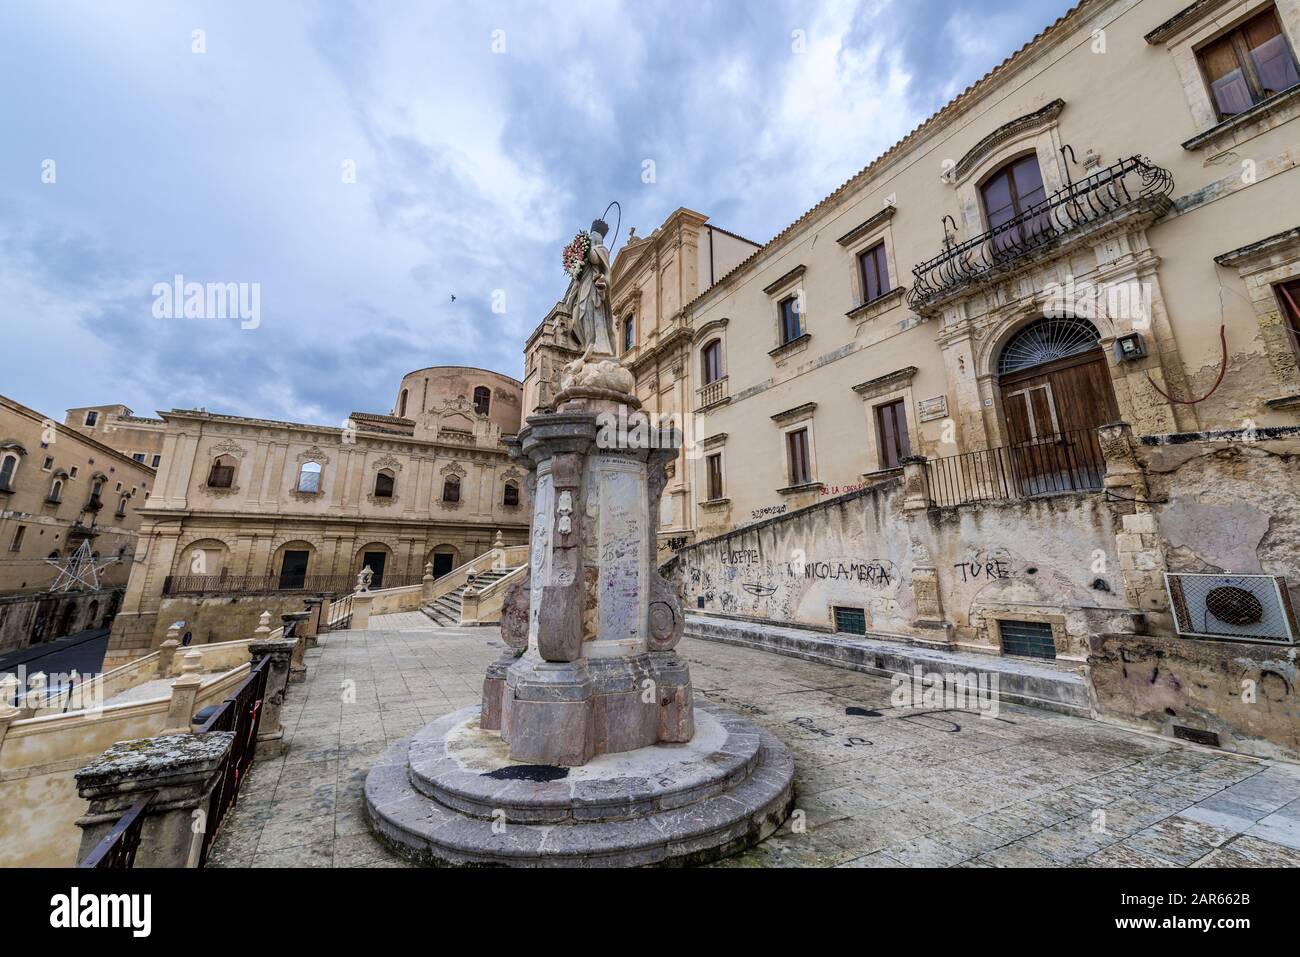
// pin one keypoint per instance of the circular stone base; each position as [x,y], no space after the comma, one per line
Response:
[452,796]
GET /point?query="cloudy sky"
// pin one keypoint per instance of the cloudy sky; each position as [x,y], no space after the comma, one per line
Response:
[363,163]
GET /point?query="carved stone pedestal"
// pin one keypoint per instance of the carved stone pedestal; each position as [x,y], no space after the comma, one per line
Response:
[586,741]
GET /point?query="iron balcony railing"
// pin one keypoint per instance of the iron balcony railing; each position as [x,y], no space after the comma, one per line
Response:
[1066,462]
[1128,184]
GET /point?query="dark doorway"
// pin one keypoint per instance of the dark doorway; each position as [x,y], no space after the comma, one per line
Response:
[442,564]
[375,562]
[293,570]
[65,620]
[1056,391]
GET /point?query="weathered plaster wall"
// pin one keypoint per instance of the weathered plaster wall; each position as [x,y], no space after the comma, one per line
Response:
[1044,560]
[1244,693]
[31,619]
[1230,506]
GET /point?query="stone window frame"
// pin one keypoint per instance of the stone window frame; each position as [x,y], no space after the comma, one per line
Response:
[705,335]
[1037,134]
[1067,649]
[1264,266]
[881,391]
[787,286]
[874,231]
[12,449]
[792,420]
[1199,25]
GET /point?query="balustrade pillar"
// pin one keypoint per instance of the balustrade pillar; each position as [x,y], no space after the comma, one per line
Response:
[182,770]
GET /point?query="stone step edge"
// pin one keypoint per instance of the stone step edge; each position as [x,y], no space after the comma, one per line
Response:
[816,648]
[749,814]
[569,812]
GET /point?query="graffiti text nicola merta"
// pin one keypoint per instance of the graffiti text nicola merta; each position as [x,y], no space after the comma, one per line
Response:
[868,573]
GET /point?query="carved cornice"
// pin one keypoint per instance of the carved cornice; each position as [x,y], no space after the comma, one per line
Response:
[1030,121]
[862,229]
[387,462]
[1182,19]
[880,385]
[709,327]
[795,273]
[714,441]
[1285,243]
[228,448]
[797,414]
[453,468]
[314,454]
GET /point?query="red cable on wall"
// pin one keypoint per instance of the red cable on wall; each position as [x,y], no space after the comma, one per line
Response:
[1223,370]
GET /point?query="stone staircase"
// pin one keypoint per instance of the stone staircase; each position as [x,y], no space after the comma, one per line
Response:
[446,611]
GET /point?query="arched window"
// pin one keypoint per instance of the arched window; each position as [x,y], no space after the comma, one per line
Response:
[56,491]
[451,489]
[309,478]
[711,361]
[401,405]
[1008,195]
[8,467]
[482,400]
[121,507]
[1046,341]
[629,333]
[384,483]
[222,472]
[54,556]
[511,496]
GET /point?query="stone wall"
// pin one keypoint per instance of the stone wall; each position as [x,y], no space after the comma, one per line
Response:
[225,618]
[31,619]
[929,575]
[1243,693]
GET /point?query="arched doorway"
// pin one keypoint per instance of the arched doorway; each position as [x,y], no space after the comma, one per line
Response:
[1056,391]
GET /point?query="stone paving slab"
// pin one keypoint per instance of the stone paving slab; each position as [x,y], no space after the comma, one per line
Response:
[875,786]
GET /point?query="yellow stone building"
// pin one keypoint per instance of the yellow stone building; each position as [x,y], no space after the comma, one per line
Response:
[279,510]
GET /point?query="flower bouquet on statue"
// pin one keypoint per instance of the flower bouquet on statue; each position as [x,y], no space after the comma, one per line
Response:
[575,254]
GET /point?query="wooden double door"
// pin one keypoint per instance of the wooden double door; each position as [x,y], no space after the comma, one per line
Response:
[1052,415]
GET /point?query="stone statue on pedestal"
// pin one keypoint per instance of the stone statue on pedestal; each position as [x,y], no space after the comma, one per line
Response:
[591,324]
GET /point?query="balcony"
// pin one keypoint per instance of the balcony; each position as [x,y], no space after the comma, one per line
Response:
[712,394]
[1048,465]
[1132,189]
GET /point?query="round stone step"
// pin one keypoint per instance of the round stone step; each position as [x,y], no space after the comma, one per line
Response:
[423,829]
[469,770]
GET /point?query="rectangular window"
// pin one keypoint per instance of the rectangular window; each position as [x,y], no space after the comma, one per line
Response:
[1289,293]
[18,539]
[891,431]
[138,456]
[800,463]
[73,471]
[875,273]
[91,419]
[1249,65]
[791,326]
[157,460]
[714,463]
[49,463]
[850,621]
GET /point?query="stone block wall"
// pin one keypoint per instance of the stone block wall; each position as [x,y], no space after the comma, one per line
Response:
[1243,693]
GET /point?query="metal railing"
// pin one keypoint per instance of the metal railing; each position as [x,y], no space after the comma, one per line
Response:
[1066,462]
[340,614]
[260,584]
[240,713]
[117,849]
[1128,183]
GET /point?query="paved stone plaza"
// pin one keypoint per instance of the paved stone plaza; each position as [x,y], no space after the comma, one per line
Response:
[875,786]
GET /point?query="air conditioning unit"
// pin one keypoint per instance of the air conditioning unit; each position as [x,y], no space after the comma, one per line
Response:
[1235,607]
